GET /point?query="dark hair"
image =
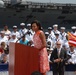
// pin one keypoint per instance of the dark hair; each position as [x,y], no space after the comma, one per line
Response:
[37,23]
[3,43]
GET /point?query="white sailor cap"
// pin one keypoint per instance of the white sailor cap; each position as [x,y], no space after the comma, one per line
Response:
[13,34]
[14,26]
[62,28]
[2,32]
[22,24]
[56,33]
[49,28]
[55,25]
[29,24]
[73,27]
[46,33]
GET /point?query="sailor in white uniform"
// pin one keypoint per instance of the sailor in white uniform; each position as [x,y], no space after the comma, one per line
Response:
[3,38]
[30,33]
[55,29]
[23,30]
[57,38]
[29,28]
[63,35]
[13,39]
[15,31]
[72,53]
[73,30]
[48,40]
[51,34]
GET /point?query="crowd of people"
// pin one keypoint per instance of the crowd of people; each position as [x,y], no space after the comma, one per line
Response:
[25,36]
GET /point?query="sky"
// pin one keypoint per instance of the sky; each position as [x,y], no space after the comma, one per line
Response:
[54,1]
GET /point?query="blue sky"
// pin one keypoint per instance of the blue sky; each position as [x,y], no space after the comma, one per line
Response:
[54,1]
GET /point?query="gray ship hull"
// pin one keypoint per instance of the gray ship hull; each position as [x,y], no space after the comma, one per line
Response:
[48,17]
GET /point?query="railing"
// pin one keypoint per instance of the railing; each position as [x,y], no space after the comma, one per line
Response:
[3,69]
[70,69]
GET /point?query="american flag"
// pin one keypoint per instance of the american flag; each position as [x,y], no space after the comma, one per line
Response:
[71,39]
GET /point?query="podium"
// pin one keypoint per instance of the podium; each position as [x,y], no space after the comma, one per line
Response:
[23,60]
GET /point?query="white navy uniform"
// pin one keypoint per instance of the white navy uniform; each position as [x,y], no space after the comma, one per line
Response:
[55,40]
[73,28]
[56,32]
[63,36]
[22,32]
[30,35]
[73,57]
[32,32]
[15,31]
[3,39]
[12,40]
[49,40]
[17,34]
[51,35]
[74,33]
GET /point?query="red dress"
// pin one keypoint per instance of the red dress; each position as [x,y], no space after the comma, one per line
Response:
[43,55]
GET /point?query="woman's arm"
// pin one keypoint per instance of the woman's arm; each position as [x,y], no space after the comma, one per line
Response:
[42,37]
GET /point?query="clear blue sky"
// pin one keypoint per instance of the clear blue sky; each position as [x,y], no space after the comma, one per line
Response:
[54,1]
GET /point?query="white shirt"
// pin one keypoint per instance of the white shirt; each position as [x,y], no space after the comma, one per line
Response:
[59,50]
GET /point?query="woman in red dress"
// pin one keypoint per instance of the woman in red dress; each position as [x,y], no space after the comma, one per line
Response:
[40,43]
